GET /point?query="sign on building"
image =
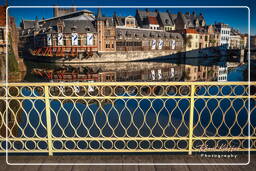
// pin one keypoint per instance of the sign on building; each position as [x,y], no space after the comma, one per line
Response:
[173,44]
[160,44]
[89,39]
[49,39]
[153,44]
[60,39]
[74,39]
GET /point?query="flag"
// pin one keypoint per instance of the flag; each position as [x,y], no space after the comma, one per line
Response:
[74,39]
[153,44]
[60,39]
[49,39]
[173,44]
[160,44]
[89,39]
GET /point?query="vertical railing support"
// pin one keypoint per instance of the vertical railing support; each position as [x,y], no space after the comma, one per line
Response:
[191,119]
[48,119]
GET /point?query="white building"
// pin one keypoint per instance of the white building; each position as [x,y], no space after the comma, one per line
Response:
[223,73]
[224,30]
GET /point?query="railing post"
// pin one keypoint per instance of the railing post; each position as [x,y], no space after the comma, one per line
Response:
[48,119]
[191,119]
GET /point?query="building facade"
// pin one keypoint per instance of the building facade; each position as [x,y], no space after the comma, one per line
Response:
[80,32]
[225,31]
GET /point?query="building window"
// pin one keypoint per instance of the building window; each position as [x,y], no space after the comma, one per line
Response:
[107,44]
[1,34]
[79,42]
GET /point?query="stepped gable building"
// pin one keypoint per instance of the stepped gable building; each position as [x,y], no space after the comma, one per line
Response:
[155,20]
[187,20]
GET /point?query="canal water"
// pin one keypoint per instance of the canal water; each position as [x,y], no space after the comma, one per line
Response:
[142,117]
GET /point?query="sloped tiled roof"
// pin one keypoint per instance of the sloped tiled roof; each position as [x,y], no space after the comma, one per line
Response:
[191,31]
[152,20]
[165,19]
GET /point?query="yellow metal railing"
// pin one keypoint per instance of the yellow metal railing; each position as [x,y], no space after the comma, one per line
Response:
[128,117]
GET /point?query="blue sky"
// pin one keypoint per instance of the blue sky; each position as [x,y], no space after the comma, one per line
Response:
[235,17]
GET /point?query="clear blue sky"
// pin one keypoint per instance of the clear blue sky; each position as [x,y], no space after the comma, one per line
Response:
[236,18]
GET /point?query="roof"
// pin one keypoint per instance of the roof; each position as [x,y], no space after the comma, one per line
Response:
[27,24]
[119,21]
[165,19]
[69,15]
[145,13]
[191,31]
[81,27]
[191,19]
[152,20]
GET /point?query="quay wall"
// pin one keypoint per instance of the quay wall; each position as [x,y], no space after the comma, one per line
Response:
[111,57]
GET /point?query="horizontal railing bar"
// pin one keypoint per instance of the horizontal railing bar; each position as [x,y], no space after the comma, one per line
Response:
[98,138]
[128,138]
[122,150]
[26,151]
[125,83]
[126,97]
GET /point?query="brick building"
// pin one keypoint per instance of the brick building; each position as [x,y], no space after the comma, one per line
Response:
[80,32]
[2,29]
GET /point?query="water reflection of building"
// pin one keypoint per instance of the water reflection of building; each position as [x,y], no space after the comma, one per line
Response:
[223,73]
[135,71]
[200,73]
[74,74]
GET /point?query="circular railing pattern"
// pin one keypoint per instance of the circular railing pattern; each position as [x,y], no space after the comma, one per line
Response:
[126,117]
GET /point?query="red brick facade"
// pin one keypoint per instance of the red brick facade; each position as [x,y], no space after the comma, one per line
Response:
[2,16]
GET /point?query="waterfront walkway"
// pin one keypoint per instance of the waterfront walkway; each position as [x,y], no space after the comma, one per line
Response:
[131,158]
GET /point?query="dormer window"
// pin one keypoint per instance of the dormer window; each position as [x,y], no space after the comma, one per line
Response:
[60,29]
[166,21]
[130,21]
[73,29]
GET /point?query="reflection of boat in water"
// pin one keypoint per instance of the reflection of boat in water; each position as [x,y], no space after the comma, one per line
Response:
[73,75]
